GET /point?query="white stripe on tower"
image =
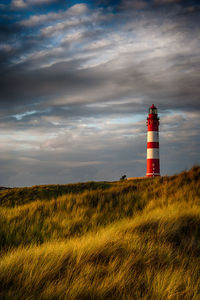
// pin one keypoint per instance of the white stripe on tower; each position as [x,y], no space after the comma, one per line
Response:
[153,153]
[152,136]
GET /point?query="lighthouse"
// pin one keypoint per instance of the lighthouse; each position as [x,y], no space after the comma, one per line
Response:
[153,161]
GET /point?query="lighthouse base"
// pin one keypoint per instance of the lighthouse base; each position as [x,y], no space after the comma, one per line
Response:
[153,167]
[152,174]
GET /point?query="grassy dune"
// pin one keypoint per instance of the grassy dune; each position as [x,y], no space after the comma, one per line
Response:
[122,240]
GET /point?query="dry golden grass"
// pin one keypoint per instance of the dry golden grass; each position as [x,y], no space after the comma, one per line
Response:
[132,240]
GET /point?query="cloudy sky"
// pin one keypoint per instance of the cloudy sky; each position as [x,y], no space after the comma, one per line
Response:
[76,81]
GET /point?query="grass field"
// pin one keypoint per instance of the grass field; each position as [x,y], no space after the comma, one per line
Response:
[135,239]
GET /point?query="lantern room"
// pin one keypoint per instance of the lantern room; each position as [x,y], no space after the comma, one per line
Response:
[152,119]
[153,110]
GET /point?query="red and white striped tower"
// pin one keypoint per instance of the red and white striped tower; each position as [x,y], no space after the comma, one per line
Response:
[153,162]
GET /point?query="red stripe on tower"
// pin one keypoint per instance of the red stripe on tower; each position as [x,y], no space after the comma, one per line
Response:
[153,162]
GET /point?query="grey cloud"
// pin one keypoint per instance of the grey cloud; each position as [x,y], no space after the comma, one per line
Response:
[179,84]
[134,4]
[18,4]
[144,69]
[9,31]
[98,161]
[23,4]
[166,1]
[72,15]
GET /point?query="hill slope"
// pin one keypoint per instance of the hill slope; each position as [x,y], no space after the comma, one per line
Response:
[122,240]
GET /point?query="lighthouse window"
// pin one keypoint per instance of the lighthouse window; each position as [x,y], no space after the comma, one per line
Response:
[153,111]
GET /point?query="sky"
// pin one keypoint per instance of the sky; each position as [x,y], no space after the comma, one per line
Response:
[77,79]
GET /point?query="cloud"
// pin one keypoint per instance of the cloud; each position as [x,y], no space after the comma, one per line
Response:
[133,4]
[166,1]
[77,9]
[128,66]
[74,11]
[18,4]
[40,2]
[22,4]
[39,19]
[60,149]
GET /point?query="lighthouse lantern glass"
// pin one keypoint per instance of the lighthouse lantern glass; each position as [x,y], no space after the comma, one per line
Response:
[153,111]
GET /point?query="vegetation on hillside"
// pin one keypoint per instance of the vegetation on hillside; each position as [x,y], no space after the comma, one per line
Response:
[19,196]
[135,239]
